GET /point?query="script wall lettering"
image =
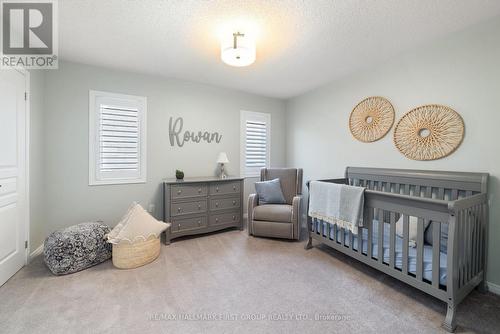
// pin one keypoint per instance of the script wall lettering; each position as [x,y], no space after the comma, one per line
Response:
[177,136]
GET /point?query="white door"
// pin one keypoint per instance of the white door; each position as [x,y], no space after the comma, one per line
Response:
[13,194]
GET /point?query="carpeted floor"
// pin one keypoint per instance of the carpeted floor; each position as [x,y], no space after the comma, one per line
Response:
[231,283]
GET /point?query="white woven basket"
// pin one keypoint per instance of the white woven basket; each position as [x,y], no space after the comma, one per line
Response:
[132,255]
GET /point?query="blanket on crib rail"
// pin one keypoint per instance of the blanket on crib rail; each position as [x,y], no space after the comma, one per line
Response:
[337,204]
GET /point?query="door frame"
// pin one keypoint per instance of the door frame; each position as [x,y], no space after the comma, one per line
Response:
[27,109]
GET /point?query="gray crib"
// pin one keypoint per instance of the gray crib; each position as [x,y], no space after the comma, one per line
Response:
[452,202]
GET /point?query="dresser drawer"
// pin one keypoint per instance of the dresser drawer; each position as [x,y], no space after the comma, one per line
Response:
[187,208]
[224,203]
[188,190]
[223,188]
[225,218]
[186,224]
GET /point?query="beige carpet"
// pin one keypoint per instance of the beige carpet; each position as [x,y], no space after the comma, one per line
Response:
[231,283]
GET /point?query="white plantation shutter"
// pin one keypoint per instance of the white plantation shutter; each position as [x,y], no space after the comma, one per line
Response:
[118,139]
[255,142]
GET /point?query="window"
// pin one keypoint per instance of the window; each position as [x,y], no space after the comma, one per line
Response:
[255,142]
[117,138]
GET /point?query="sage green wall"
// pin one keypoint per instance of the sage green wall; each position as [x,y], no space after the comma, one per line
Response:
[37,161]
[67,197]
[461,71]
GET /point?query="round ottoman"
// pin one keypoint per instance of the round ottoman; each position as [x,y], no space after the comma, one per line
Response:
[76,248]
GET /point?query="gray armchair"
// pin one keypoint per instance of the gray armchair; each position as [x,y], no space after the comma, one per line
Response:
[277,220]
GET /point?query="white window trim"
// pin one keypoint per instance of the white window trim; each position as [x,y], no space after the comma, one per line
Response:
[141,103]
[244,116]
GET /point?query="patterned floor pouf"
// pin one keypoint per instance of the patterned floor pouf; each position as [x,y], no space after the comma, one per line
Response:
[76,248]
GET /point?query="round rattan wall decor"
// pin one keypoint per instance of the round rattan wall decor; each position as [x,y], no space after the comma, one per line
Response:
[429,132]
[371,119]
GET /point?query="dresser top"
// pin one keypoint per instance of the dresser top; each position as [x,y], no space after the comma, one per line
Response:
[202,179]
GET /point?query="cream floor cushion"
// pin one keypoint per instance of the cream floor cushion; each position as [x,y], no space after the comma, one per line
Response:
[135,226]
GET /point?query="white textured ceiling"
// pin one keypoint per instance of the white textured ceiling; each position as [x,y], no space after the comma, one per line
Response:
[301,44]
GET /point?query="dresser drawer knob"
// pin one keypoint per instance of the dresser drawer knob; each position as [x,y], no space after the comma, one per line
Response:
[199,190]
[179,192]
[179,209]
[234,187]
[199,206]
[216,220]
[217,204]
[234,202]
[199,222]
[179,226]
[217,189]
[234,217]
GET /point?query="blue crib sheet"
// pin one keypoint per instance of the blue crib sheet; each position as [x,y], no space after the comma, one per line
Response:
[412,252]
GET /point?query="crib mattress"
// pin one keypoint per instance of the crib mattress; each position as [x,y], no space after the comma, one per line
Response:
[412,252]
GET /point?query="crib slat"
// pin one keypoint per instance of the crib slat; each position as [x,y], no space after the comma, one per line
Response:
[482,236]
[440,194]
[420,248]
[466,246]
[405,244]
[479,219]
[436,243]
[428,192]
[407,189]
[397,188]
[474,240]
[460,249]
[335,233]
[351,240]
[417,191]
[469,245]
[380,251]
[370,232]
[454,194]
[392,235]
[360,240]
[342,236]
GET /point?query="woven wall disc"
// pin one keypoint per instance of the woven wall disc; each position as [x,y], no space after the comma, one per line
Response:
[371,119]
[429,132]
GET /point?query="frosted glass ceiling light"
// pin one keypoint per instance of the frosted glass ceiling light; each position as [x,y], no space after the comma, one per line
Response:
[238,50]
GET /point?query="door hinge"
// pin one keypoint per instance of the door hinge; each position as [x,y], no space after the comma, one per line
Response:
[26,244]
[25,96]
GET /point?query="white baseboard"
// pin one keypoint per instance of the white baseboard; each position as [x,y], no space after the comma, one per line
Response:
[493,288]
[35,253]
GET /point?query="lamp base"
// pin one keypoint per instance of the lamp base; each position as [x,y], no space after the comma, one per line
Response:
[222,172]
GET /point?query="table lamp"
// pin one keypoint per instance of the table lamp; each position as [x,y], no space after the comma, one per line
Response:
[222,159]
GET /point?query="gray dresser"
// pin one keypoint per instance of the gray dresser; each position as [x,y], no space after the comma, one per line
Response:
[201,205]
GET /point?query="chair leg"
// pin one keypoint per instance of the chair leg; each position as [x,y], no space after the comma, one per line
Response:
[309,243]
[450,323]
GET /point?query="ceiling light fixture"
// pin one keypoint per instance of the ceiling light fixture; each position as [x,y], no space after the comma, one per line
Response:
[238,50]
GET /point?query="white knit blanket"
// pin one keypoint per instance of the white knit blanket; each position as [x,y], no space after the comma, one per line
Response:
[337,204]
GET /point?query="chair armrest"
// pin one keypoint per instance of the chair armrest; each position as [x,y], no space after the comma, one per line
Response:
[296,206]
[253,201]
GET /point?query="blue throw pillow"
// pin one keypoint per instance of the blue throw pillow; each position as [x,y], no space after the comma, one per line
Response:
[269,192]
[443,242]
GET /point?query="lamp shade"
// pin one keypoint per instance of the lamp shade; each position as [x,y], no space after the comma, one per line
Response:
[222,159]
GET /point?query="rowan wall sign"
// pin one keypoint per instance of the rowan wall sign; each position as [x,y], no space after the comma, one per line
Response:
[178,136]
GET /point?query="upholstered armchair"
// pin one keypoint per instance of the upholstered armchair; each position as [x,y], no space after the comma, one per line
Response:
[277,220]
